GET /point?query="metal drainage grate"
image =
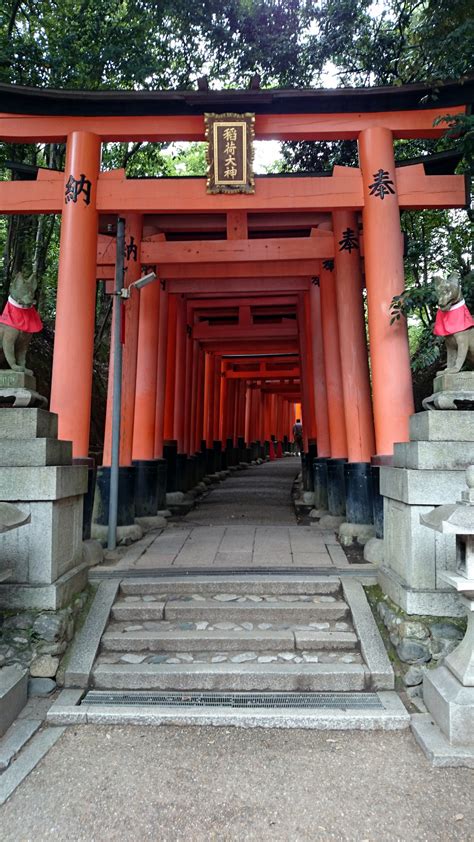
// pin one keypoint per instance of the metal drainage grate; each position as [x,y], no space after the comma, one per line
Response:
[271,701]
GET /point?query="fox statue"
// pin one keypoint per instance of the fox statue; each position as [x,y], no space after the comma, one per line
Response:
[19,321]
[454,322]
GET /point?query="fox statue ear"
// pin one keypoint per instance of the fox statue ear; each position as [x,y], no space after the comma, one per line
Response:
[454,278]
[438,282]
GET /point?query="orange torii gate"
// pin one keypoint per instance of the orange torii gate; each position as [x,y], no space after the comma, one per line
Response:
[296,256]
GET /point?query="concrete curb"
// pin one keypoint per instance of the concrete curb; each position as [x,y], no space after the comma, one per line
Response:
[87,641]
[371,643]
[27,760]
[437,747]
[393,716]
[16,737]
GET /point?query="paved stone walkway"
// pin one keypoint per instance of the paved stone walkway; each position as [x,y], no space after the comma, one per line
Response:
[198,784]
[247,521]
[258,495]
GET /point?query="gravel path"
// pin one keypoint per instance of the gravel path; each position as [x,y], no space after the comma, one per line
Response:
[192,784]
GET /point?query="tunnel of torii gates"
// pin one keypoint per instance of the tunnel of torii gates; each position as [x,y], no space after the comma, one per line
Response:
[260,304]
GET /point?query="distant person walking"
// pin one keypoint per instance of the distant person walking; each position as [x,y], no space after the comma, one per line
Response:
[298,436]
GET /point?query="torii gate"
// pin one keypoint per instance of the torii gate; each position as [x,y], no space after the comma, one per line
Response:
[295,237]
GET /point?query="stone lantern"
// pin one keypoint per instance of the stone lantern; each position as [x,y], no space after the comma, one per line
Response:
[448,691]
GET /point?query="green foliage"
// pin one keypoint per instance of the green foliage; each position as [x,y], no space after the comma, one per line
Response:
[156,159]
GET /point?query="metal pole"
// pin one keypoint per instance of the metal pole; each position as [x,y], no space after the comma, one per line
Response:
[116,386]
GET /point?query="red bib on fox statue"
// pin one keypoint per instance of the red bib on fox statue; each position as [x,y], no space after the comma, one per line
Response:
[454,320]
[21,317]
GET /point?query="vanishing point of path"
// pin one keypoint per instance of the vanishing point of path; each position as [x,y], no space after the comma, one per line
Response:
[260,495]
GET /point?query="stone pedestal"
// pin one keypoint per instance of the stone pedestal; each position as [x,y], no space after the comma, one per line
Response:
[452,391]
[428,471]
[37,474]
[19,389]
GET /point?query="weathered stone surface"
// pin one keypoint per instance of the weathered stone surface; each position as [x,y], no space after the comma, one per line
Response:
[449,425]
[19,397]
[41,686]
[125,534]
[434,455]
[28,423]
[87,642]
[46,666]
[446,630]
[17,380]
[450,704]
[34,452]
[46,483]
[358,532]
[50,627]
[228,676]
[437,603]
[19,621]
[149,523]
[412,551]
[16,737]
[174,497]
[373,551]
[92,552]
[413,676]
[331,521]
[48,546]
[414,630]
[422,488]
[13,694]
[413,652]
[372,647]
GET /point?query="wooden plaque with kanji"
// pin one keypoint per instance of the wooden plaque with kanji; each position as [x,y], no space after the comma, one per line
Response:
[230,153]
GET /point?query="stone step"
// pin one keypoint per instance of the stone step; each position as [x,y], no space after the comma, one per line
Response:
[214,611]
[28,423]
[212,585]
[448,425]
[225,676]
[196,641]
[285,656]
[433,455]
[35,452]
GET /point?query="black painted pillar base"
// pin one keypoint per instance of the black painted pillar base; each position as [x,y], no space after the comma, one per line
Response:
[191,472]
[170,450]
[88,501]
[217,446]
[308,459]
[201,460]
[241,448]
[126,496]
[336,487]
[358,481]
[266,449]
[320,482]
[146,487]
[182,475]
[377,500]
[229,453]
[286,444]
[161,469]
[210,460]
[223,458]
